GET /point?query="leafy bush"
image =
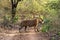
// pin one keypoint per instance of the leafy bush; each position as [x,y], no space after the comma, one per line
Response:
[46,27]
[58,33]
[15,19]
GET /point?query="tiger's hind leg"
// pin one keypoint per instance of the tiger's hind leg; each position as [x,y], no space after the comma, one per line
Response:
[20,29]
[25,28]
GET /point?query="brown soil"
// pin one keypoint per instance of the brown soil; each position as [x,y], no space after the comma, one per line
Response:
[15,35]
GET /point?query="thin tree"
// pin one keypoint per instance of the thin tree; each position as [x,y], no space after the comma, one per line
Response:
[14,6]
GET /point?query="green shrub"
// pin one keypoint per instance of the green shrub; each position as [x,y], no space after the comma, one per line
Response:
[58,33]
[15,19]
[46,27]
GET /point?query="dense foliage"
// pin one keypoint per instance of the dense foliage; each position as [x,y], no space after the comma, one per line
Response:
[28,9]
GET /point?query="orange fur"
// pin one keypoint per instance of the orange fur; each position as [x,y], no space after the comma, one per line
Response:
[30,23]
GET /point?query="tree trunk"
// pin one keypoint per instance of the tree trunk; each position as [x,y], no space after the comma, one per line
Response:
[14,6]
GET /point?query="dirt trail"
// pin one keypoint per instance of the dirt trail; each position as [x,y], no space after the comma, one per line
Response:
[31,35]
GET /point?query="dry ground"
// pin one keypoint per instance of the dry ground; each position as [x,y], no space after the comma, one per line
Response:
[15,35]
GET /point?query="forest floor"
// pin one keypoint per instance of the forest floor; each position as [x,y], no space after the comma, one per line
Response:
[23,36]
[15,35]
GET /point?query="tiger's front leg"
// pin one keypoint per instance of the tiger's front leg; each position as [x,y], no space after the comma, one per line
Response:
[36,29]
